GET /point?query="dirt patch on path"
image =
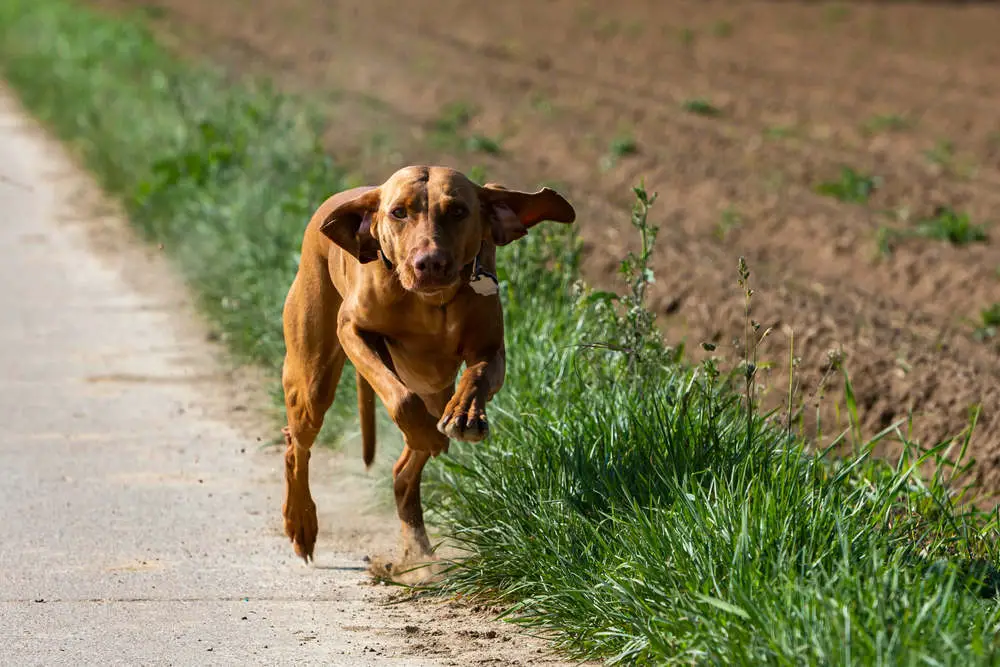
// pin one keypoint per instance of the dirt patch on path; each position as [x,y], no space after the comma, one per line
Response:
[734,112]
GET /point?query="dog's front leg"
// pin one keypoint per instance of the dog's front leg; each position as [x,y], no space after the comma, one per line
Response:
[406,408]
[464,418]
[410,413]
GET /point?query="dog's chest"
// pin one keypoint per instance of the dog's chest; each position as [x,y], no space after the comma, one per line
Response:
[427,357]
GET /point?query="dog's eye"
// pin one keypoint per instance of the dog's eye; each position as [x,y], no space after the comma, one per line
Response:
[457,212]
[399,212]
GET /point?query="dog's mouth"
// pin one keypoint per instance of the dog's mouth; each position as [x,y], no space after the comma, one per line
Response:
[433,287]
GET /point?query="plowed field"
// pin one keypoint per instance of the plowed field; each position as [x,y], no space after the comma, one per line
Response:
[734,112]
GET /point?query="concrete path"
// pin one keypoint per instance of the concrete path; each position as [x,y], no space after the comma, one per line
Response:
[139,514]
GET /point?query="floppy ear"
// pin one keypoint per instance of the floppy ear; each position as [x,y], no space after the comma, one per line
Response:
[512,213]
[347,221]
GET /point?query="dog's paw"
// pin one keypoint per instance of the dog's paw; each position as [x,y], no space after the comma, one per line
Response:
[301,524]
[464,418]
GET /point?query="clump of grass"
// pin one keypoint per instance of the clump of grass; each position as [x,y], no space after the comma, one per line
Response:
[779,132]
[449,131]
[729,220]
[701,107]
[621,146]
[946,224]
[942,153]
[477,174]
[479,143]
[853,186]
[989,323]
[882,123]
[722,28]
[952,226]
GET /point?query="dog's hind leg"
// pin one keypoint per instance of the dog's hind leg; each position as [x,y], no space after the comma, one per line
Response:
[313,363]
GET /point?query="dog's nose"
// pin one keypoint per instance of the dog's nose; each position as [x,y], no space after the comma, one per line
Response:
[432,264]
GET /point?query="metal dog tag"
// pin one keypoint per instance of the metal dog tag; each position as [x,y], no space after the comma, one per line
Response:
[484,283]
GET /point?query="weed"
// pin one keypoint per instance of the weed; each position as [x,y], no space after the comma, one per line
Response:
[447,129]
[729,220]
[990,323]
[722,28]
[478,143]
[941,153]
[946,224]
[621,146]
[701,107]
[687,37]
[477,174]
[952,226]
[854,186]
[836,13]
[882,123]
[779,132]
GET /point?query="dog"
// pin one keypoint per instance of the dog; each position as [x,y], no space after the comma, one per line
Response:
[400,278]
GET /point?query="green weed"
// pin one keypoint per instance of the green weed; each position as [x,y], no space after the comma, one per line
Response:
[882,123]
[620,147]
[989,323]
[946,225]
[722,28]
[729,220]
[854,186]
[701,107]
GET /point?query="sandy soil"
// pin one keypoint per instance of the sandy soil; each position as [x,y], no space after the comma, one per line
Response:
[800,87]
[142,493]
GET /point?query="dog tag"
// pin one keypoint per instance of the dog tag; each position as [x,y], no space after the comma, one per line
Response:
[484,283]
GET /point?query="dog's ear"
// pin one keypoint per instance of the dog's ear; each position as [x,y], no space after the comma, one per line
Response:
[347,221]
[512,213]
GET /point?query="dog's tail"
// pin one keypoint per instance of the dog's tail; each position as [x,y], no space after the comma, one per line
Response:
[366,415]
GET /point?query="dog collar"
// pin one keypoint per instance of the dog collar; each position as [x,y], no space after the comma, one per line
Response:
[482,282]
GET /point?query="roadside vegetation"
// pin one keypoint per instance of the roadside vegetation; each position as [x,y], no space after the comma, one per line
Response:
[635,508]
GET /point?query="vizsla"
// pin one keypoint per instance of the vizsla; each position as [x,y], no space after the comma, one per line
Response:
[400,279]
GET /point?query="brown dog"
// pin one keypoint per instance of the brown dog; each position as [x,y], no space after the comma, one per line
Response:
[392,277]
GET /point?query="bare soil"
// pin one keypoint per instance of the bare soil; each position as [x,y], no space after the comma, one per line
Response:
[908,92]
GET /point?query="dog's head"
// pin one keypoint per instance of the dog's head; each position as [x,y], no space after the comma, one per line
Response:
[430,222]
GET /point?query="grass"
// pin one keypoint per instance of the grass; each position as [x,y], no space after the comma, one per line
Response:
[946,224]
[635,508]
[623,145]
[450,131]
[701,107]
[883,123]
[989,323]
[853,186]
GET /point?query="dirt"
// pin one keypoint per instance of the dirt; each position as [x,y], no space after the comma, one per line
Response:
[361,622]
[797,88]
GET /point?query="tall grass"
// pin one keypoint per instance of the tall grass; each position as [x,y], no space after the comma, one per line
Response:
[638,512]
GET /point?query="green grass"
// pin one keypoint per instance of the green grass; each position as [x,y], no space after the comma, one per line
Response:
[645,514]
[883,123]
[989,323]
[853,186]
[701,107]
